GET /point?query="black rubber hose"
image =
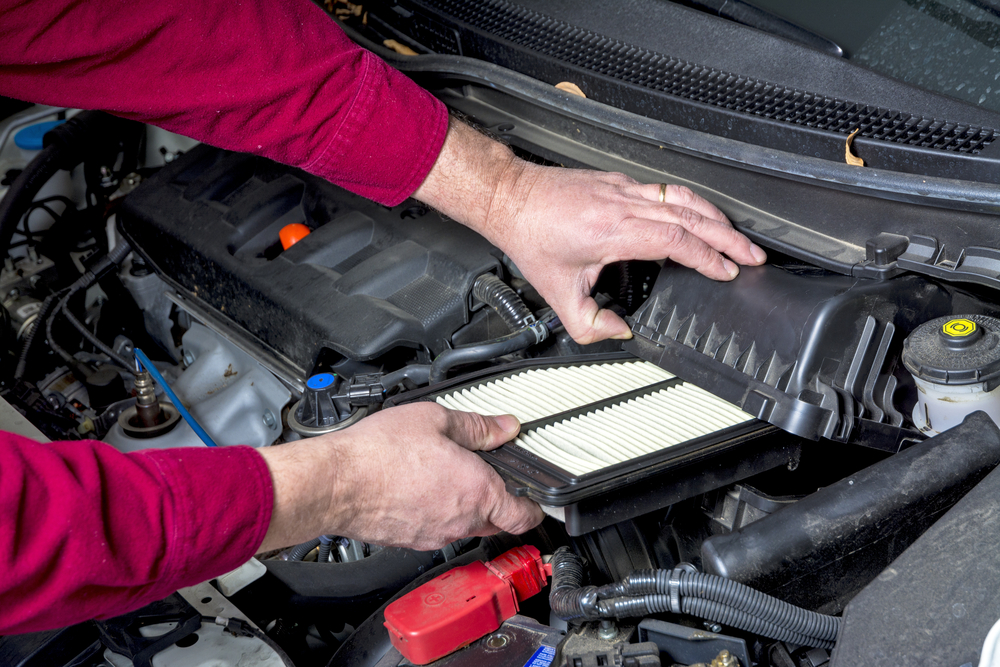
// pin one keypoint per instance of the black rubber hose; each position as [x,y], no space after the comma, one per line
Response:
[419,374]
[644,605]
[720,613]
[302,550]
[731,594]
[711,597]
[567,598]
[499,296]
[759,605]
[325,547]
[469,354]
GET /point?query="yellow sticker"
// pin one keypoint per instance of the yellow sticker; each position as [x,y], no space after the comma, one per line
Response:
[959,328]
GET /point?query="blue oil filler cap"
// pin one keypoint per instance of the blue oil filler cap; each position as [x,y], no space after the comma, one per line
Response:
[321,381]
[30,138]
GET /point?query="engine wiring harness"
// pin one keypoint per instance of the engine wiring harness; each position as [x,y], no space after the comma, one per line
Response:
[684,591]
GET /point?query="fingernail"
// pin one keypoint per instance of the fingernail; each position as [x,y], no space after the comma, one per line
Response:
[731,268]
[622,336]
[508,423]
[757,253]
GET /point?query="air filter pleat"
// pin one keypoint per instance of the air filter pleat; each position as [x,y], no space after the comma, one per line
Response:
[538,393]
[624,431]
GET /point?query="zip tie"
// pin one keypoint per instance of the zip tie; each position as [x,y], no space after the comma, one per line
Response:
[188,417]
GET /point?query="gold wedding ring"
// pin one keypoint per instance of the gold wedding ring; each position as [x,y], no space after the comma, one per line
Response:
[663,192]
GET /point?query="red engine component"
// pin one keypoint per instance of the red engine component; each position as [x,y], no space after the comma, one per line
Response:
[463,604]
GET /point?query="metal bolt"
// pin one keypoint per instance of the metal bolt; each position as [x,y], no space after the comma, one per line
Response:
[725,659]
[608,630]
[14,293]
[34,280]
[268,419]
[188,358]
[498,640]
[712,627]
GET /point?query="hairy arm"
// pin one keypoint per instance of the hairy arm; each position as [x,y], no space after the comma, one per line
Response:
[407,476]
[562,226]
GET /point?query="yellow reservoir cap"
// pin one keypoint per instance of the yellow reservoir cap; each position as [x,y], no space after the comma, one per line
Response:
[959,328]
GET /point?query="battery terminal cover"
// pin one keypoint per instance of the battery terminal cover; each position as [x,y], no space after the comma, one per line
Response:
[463,604]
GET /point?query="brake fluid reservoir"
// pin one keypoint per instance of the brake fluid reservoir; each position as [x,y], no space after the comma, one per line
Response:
[955,362]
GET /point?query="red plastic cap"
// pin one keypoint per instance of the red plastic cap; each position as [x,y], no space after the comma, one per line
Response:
[463,604]
[292,234]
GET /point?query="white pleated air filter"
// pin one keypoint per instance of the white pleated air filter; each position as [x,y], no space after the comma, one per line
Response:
[609,438]
[538,393]
[586,418]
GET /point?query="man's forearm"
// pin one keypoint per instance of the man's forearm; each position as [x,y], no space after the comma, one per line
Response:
[278,79]
[405,476]
[471,179]
[562,226]
[87,531]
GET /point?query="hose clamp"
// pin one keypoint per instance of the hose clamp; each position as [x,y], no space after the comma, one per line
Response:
[674,590]
[540,330]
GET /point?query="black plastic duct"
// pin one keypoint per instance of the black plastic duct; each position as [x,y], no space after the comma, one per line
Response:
[832,543]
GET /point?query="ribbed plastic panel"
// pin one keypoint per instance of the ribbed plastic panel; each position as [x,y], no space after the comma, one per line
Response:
[600,54]
[634,428]
[543,392]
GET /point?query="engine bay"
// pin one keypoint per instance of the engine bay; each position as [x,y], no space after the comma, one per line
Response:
[795,469]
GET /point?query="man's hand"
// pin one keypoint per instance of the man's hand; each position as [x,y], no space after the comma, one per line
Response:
[406,476]
[562,226]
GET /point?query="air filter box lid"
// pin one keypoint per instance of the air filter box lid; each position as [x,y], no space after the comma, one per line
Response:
[811,352]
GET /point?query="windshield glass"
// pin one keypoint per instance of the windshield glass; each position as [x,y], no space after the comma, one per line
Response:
[946,46]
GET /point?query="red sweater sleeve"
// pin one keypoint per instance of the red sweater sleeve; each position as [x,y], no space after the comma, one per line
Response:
[89,532]
[275,78]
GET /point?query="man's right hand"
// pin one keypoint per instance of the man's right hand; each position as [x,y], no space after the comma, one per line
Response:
[407,476]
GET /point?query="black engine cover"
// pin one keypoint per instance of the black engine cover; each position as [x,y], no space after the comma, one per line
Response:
[367,279]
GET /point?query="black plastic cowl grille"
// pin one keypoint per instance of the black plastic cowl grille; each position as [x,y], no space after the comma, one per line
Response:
[630,64]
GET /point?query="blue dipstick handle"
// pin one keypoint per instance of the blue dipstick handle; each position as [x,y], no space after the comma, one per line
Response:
[188,417]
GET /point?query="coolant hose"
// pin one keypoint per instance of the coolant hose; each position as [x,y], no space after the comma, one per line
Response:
[302,550]
[499,296]
[469,354]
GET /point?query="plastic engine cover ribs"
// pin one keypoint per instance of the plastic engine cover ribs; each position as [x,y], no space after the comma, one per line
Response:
[365,280]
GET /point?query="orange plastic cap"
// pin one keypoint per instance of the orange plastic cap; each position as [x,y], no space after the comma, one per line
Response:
[292,234]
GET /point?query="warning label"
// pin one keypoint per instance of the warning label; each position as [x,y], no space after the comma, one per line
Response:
[543,657]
